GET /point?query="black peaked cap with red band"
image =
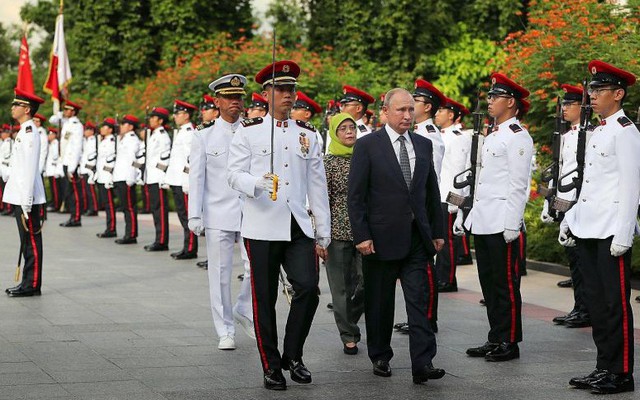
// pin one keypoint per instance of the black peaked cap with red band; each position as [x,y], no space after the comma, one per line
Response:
[423,88]
[306,102]
[502,85]
[286,73]
[606,74]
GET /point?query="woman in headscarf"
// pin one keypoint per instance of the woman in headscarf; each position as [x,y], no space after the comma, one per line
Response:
[344,263]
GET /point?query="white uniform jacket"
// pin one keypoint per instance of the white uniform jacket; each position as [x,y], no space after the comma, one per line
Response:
[361,130]
[157,156]
[71,143]
[124,169]
[430,131]
[456,159]
[24,187]
[53,158]
[44,149]
[210,197]
[106,160]
[501,193]
[88,159]
[297,160]
[179,162]
[608,202]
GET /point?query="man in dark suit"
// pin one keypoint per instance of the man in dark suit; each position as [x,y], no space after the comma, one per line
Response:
[394,208]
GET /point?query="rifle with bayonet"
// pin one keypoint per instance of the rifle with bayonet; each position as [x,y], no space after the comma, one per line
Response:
[578,173]
[551,174]
[470,174]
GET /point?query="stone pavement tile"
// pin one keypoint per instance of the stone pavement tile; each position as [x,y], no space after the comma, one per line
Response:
[9,353]
[111,349]
[18,367]
[170,361]
[207,383]
[89,375]
[115,388]
[167,333]
[121,396]
[25,378]
[155,373]
[34,391]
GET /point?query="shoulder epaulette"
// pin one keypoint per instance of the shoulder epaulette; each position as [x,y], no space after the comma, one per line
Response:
[189,128]
[112,138]
[162,130]
[515,128]
[457,132]
[252,121]
[624,121]
[306,125]
[362,128]
[205,125]
[28,129]
[431,129]
[75,122]
[133,134]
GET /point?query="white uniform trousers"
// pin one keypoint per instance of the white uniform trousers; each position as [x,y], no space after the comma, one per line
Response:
[220,246]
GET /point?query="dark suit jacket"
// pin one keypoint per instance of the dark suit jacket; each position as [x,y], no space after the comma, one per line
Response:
[382,208]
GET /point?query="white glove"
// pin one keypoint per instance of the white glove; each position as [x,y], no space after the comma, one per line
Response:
[164,185]
[26,209]
[265,184]
[458,228]
[185,189]
[452,209]
[196,226]
[139,180]
[563,237]
[130,182]
[108,185]
[617,249]
[544,216]
[510,235]
[323,242]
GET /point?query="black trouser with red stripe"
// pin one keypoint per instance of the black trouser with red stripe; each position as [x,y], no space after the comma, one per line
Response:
[181,201]
[499,274]
[522,259]
[2,184]
[73,198]
[107,201]
[31,239]
[300,262]
[447,257]
[607,291]
[89,197]
[127,196]
[416,276]
[146,200]
[56,199]
[577,282]
[160,210]
[462,245]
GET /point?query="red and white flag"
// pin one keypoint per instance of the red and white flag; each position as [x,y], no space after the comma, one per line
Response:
[59,70]
[25,77]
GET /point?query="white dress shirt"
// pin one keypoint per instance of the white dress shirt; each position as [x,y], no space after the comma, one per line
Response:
[394,136]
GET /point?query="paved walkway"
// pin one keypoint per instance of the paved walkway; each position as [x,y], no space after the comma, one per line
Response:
[115,322]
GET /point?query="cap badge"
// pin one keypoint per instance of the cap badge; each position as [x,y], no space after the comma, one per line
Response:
[285,68]
[235,81]
[493,81]
[594,70]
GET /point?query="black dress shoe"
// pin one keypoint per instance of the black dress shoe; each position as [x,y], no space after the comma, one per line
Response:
[613,383]
[434,326]
[382,368]
[446,287]
[186,256]
[504,352]
[566,283]
[562,319]
[482,302]
[70,224]
[330,306]
[578,321]
[352,351]
[201,264]
[156,247]
[584,382]
[464,260]
[21,292]
[90,213]
[107,234]
[7,290]
[274,380]
[427,372]
[177,253]
[126,240]
[482,350]
[299,373]
[637,299]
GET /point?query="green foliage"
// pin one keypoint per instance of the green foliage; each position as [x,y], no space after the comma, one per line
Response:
[288,17]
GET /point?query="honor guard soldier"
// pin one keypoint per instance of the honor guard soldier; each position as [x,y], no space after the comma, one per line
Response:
[178,175]
[304,109]
[215,208]
[25,191]
[579,315]
[496,219]
[71,153]
[157,162]
[456,159]
[104,175]
[140,164]
[603,223]
[428,100]
[5,160]
[258,108]
[208,109]
[278,180]
[51,170]
[124,176]
[86,169]
[355,102]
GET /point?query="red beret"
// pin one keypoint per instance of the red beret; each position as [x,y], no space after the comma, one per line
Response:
[110,122]
[89,125]
[426,89]
[571,93]
[607,74]
[500,84]
[160,112]
[207,99]
[354,94]
[286,72]
[455,106]
[71,105]
[304,101]
[26,98]
[180,105]
[40,117]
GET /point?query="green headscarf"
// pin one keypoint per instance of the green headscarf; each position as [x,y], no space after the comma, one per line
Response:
[336,147]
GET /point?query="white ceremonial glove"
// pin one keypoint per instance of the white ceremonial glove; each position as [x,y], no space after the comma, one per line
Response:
[510,235]
[130,182]
[196,226]
[458,228]
[108,185]
[265,184]
[139,180]
[452,209]
[185,189]
[26,209]
[617,249]
[563,237]
[544,216]
[164,185]
[323,242]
